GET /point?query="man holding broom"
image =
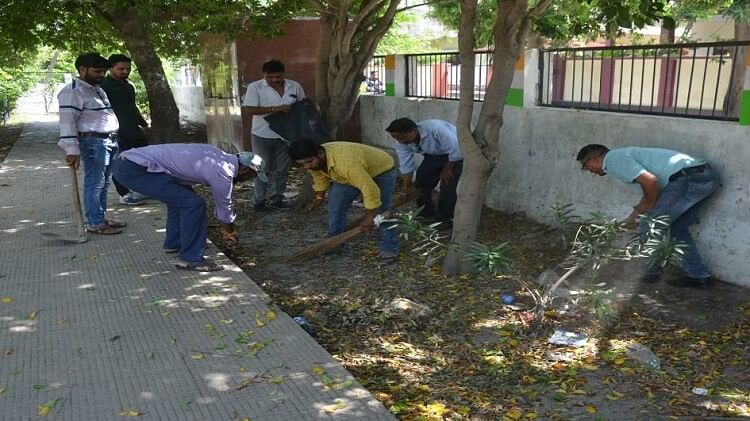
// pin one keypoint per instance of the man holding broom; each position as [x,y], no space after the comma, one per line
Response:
[345,169]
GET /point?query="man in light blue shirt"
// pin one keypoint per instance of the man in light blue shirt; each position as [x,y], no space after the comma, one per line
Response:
[167,172]
[673,184]
[437,141]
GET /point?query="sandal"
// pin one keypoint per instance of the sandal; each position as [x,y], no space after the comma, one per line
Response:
[103,229]
[204,266]
[171,251]
[115,224]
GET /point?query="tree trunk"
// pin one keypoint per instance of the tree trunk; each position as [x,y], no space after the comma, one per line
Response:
[48,86]
[322,65]
[481,147]
[165,116]
[732,101]
[469,207]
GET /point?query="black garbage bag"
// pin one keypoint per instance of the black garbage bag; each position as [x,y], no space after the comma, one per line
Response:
[302,121]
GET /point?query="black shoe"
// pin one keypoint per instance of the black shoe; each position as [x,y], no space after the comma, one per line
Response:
[688,282]
[261,207]
[282,205]
[651,278]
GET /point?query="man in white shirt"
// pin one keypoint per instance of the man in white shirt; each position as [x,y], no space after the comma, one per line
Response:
[273,93]
[88,134]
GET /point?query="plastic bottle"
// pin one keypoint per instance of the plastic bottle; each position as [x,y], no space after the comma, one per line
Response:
[507,299]
[644,355]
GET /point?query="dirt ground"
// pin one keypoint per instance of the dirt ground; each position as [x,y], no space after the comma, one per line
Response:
[473,357]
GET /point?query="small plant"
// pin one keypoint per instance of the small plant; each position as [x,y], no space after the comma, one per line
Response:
[563,222]
[492,259]
[600,240]
[430,243]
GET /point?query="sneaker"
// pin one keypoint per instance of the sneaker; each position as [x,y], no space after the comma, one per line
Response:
[281,205]
[130,199]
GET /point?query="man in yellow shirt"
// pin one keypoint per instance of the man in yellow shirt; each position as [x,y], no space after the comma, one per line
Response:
[346,169]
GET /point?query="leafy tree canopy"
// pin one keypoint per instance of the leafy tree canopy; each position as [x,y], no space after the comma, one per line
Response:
[564,20]
[174,25]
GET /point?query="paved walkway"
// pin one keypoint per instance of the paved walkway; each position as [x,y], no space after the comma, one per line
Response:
[92,331]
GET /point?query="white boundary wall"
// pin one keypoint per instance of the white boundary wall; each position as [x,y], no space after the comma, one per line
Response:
[537,166]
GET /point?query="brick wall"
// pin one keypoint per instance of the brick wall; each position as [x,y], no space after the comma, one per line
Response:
[297,49]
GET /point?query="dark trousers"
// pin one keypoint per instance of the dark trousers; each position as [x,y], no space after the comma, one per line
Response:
[428,177]
[186,210]
[126,144]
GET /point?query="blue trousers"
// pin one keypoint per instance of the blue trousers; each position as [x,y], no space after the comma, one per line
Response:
[186,210]
[340,199]
[680,200]
[97,156]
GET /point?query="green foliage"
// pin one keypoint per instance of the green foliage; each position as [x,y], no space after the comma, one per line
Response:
[490,259]
[398,40]
[564,20]
[563,220]
[430,243]
[426,238]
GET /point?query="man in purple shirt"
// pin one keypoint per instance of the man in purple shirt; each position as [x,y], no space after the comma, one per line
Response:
[167,172]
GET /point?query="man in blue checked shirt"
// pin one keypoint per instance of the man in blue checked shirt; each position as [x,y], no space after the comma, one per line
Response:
[437,141]
[88,133]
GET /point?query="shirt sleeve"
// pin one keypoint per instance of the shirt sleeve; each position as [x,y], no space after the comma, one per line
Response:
[320,181]
[358,177]
[300,92]
[405,158]
[625,168]
[449,137]
[71,106]
[221,190]
[252,97]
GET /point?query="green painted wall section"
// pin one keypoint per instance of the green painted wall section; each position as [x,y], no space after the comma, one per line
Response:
[514,98]
[390,89]
[745,109]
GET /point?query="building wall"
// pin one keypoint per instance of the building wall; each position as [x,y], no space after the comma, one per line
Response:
[297,49]
[537,166]
[189,100]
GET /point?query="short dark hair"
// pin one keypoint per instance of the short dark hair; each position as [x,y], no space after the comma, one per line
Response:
[118,58]
[273,66]
[591,151]
[402,125]
[304,148]
[92,59]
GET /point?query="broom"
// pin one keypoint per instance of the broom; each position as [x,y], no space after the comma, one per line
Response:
[331,243]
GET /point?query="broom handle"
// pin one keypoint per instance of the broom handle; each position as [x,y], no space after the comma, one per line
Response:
[74,191]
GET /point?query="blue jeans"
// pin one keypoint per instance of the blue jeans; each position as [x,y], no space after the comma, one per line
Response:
[186,210]
[97,156]
[681,200]
[340,200]
[275,154]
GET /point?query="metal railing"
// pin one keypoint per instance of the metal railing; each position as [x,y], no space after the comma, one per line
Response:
[376,67]
[681,80]
[438,75]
